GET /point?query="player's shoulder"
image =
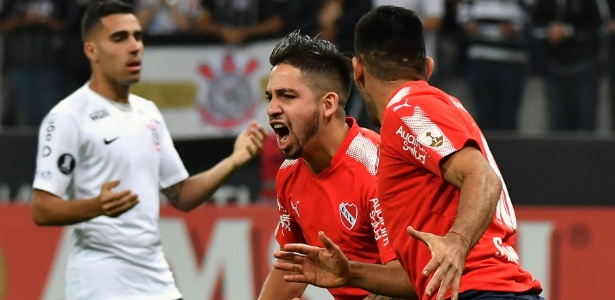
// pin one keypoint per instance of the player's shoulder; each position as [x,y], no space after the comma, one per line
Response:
[362,152]
[72,106]
[288,166]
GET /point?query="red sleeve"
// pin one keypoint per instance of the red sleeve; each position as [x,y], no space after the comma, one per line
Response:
[380,232]
[371,207]
[428,130]
[287,231]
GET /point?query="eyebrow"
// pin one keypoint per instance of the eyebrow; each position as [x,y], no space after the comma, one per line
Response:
[124,33]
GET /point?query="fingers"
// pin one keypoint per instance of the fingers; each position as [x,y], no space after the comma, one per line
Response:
[300,248]
[329,245]
[111,184]
[296,278]
[289,256]
[290,267]
[119,203]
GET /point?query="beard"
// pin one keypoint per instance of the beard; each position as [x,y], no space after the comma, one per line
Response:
[370,106]
[296,150]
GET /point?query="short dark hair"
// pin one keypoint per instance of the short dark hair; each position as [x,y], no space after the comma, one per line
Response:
[318,58]
[99,10]
[389,41]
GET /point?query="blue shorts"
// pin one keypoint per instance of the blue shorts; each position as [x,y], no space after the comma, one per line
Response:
[487,295]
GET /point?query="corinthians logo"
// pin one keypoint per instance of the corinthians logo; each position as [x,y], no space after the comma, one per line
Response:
[225,96]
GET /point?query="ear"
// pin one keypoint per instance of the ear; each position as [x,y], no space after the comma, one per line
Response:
[429,66]
[331,101]
[90,50]
[359,76]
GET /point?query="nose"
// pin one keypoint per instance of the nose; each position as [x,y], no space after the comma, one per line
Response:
[274,109]
[136,46]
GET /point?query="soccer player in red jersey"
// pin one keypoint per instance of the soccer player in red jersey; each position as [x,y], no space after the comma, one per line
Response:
[327,182]
[437,179]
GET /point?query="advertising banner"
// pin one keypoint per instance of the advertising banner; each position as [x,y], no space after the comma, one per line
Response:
[207,91]
[224,252]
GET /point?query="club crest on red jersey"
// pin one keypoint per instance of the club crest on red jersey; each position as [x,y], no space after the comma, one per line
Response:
[348,214]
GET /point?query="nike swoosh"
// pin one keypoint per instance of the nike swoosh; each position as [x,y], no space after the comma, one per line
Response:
[107,142]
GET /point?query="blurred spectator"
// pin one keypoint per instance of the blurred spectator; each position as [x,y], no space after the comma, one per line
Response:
[271,159]
[167,16]
[497,57]
[235,21]
[571,34]
[611,65]
[431,13]
[32,41]
[332,20]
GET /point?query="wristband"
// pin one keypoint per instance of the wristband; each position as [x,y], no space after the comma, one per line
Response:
[461,235]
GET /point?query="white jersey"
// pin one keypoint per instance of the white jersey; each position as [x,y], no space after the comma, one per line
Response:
[87,140]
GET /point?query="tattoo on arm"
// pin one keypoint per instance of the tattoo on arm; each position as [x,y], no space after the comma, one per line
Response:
[172,192]
[378,297]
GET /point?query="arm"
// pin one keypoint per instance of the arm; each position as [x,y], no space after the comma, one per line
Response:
[146,13]
[275,287]
[328,268]
[197,189]
[480,188]
[51,210]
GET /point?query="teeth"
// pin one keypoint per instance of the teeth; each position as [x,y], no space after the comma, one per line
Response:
[283,139]
[276,126]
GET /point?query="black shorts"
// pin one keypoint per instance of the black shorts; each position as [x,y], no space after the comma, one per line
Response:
[487,295]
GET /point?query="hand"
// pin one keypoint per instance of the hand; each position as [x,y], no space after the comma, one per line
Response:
[508,29]
[448,258]
[557,33]
[330,12]
[472,28]
[232,36]
[248,144]
[324,267]
[115,204]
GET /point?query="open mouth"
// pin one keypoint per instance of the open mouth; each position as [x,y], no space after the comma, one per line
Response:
[281,132]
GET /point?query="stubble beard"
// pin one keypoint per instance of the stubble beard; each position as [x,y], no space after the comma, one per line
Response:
[297,148]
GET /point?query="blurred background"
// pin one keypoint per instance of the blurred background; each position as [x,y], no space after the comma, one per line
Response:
[537,75]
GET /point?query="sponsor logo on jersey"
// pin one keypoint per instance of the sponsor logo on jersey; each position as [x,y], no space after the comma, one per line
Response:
[153,127]
[97,115]
[109,141]
[284,223]
[432,137]
[46,151]
[405,104]
[45,174]
[50,128]
[225,95]
[66,163]
[348,214]
[411,144]
[295,207]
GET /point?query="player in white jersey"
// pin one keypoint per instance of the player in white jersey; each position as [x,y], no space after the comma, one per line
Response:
[103,157]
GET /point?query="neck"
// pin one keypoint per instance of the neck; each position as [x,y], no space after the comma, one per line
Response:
[381,92]
[109,90]
[324,146]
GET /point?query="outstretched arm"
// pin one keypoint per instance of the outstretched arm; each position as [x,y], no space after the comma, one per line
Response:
[197,189]
[275,287]
[480,188]
[328,267]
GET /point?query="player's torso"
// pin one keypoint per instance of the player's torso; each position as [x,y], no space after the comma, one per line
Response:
[331,203]
[413,192]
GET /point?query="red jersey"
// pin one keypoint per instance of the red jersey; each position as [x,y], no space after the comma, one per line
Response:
[341,201]
[422,125]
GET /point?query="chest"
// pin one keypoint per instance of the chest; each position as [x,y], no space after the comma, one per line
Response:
[119,137]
